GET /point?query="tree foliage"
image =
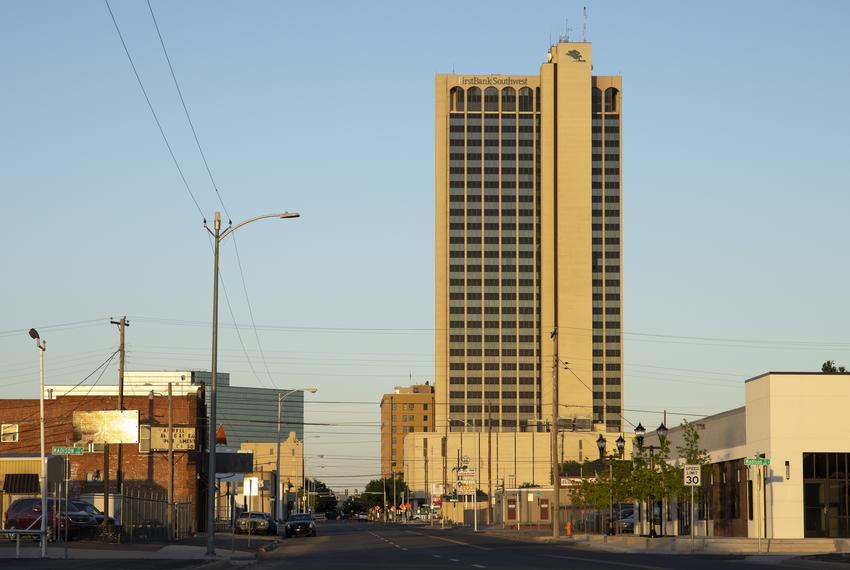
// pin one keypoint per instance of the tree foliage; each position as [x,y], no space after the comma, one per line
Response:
[650,473]
[374,492]
[830,367]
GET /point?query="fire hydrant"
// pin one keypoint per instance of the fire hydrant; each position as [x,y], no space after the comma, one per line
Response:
[569,529]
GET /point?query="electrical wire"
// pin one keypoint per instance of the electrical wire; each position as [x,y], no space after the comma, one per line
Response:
[215,188]
[153,112]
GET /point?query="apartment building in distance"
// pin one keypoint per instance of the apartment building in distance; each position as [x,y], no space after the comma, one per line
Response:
[528,247]
[406,410]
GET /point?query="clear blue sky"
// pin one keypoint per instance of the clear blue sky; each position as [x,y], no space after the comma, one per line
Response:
[735,189]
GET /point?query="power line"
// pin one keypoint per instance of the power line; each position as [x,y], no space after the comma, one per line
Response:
[70,325]
[153,112]
[217,193]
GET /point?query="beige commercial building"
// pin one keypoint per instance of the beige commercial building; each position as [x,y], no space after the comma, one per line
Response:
[797,421]
[407,409]
[501,460]
[265,467]
[528,242]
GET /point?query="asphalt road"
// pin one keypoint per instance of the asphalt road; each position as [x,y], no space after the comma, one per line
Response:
[349,544]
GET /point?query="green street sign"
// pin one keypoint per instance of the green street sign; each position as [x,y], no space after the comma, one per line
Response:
[68,451]
[756,461]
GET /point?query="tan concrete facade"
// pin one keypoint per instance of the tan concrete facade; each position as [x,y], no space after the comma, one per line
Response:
[527,241]
[799,421]
[502,459]
[408,409]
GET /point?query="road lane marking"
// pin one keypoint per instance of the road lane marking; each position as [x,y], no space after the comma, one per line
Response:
[478,566]
[450,540]
[435,555]
[602,562]
[454,559]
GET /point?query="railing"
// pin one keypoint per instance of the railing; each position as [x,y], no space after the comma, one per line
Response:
[144,517]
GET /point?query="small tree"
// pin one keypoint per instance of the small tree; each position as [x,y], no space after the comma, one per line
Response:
[829,367]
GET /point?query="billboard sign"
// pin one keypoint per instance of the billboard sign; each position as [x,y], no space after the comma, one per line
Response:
[106,426]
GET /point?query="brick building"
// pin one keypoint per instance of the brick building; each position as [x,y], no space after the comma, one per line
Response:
[408,409]
[144,471]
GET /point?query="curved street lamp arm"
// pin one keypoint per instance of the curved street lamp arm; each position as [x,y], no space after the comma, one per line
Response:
[232,229]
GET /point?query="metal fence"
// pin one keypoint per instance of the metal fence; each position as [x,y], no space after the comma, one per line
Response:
[144,517]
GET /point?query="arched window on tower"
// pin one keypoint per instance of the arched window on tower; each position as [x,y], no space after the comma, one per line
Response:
[526,100]
[456,97]
[491,99]
[611,100]
[537,97]
[473,99]
[508,99]
[596,100]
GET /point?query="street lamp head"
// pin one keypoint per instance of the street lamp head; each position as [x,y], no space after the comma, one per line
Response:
[621,444]
[662,432]
[34,334]
[311,390]
[600,443]
[289,215]
[640,431]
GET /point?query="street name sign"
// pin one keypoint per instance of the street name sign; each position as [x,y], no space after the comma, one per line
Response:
[68,451]
[693,475]
[757,461]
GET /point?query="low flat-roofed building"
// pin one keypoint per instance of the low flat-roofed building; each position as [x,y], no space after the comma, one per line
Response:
[799,422]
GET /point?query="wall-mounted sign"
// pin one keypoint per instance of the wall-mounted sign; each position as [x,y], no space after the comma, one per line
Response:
[184,438]
[106,426]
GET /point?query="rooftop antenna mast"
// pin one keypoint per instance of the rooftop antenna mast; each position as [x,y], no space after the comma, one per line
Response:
[584,24]
[567,29]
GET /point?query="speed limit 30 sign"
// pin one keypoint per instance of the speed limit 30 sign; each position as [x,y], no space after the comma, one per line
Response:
[692,476]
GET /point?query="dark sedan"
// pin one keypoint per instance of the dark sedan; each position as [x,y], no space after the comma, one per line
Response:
[255,523]
[87,507]
[300,525]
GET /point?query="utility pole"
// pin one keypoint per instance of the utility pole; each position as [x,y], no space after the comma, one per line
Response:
[122,324]
[553,432]
[170,517]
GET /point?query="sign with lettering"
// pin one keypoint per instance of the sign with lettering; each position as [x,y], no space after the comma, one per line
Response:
[184,438]
[756,461]
[693,475]
[493,80]
[67,451]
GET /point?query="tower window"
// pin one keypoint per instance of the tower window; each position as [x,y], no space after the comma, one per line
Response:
[456,98]
[491,99]
[473,99]
[508,99]
[611,100]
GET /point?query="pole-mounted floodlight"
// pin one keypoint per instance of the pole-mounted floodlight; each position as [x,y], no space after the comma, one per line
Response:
[34,334]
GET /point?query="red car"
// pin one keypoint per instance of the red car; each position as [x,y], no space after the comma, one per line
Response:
[25,514]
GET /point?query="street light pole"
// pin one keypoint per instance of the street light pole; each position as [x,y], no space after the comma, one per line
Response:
[556,471]
[218,235]
[42,346]
[278,490]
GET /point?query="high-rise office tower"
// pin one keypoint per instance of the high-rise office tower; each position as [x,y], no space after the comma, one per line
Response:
[528,221]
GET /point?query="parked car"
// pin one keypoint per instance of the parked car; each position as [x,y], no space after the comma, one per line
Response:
[89,508]
[256,523]
[361,517]
[300,525]
[25,514]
